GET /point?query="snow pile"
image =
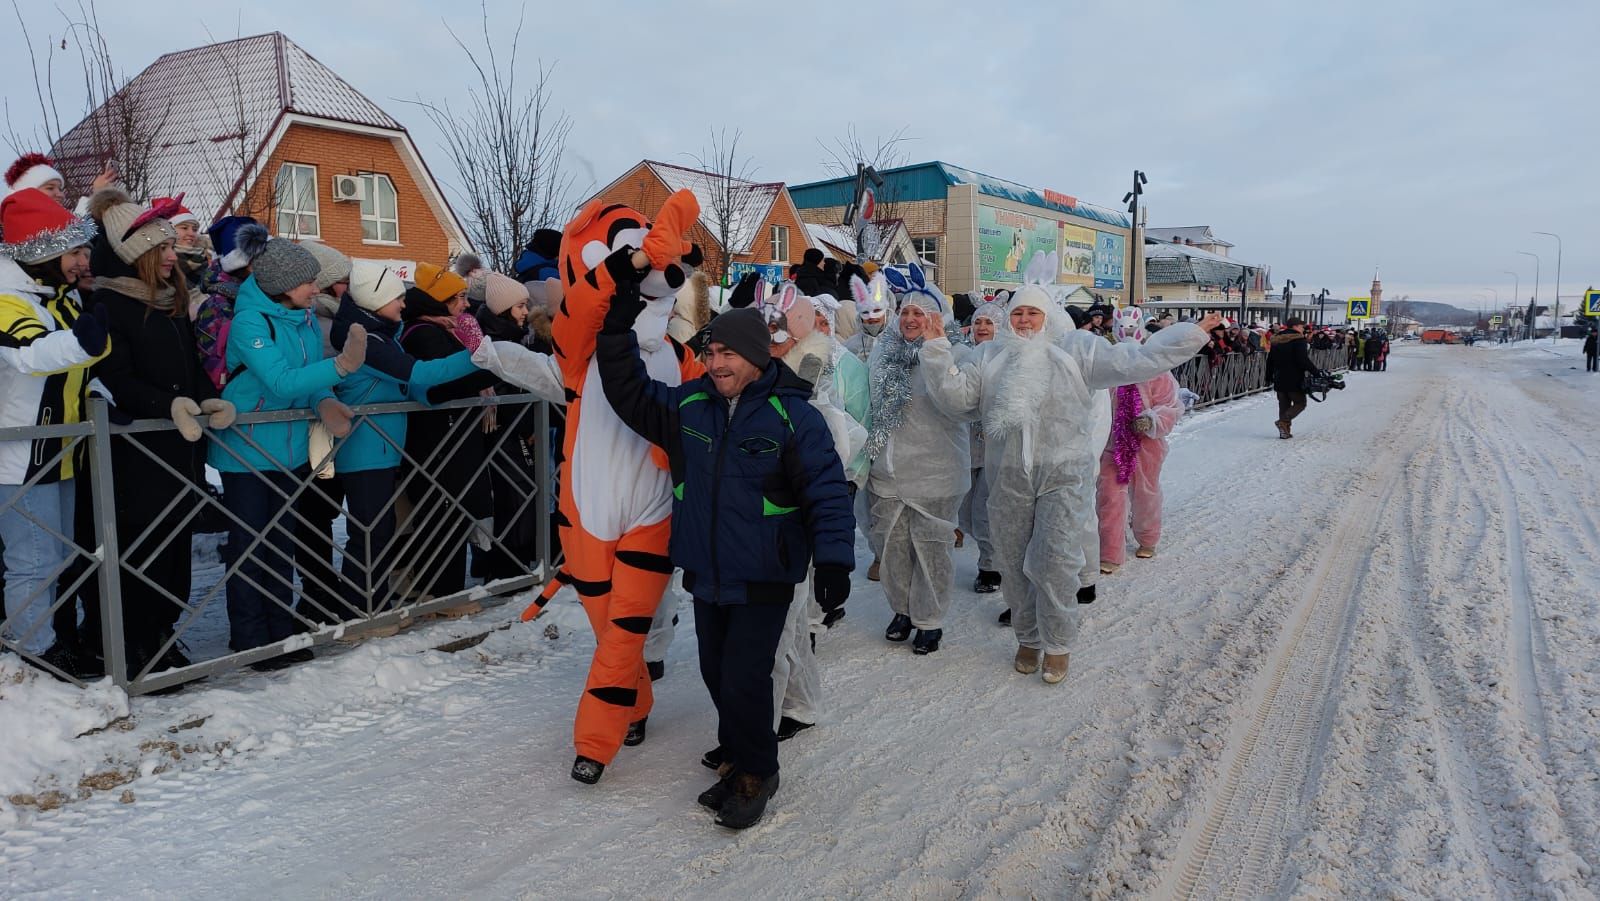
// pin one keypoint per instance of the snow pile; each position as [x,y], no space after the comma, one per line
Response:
[44,720]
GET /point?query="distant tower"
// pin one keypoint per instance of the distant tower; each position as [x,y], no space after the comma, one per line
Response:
[1377,294]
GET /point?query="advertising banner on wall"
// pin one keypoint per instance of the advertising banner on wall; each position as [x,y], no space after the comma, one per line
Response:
[1007,240]
[1110,259]
[1077,255]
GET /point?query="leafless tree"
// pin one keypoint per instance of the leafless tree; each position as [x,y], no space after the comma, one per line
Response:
[1397,309]
[846,154]
[122,126]
[229,164]
[728,195]
[507,148]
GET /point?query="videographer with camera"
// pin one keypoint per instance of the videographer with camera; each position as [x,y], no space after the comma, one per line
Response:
[1288,365]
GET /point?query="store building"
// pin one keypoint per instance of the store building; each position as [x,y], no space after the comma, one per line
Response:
[977,232]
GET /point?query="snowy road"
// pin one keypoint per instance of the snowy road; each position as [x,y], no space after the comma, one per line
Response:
[1364,664]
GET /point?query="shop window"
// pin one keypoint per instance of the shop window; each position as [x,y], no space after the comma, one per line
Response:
[296,191]
[927,249]
[780,243]
[380,214]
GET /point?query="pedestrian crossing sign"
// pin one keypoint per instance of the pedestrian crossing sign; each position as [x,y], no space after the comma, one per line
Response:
[1591,302]
[1360,308]
[1495,321]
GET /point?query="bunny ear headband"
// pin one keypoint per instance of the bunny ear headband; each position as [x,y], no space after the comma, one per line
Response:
[775,310]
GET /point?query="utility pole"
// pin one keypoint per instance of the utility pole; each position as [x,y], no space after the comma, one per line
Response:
[1533,303]
[1288,297]
[1516,293]
[1244,296]
[1555,316]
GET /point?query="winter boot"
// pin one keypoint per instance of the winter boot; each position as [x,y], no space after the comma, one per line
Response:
[988,582]
[1005,617]
[1086,594]
[927,641]
[961,538]
[635,736]
[1107,568]
[831,617]
[1027,662]
[1283,428]
[657,668]
[718,794]
[874,569]
[748,802]
[1288,431]
[789,727]
[1145,552]
[899,628]
[714,758]
[587,771]
[1055,667]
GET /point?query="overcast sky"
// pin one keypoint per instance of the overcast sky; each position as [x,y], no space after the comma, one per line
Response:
[1430,140]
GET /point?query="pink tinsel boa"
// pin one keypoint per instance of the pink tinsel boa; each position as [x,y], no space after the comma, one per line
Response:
[1124,438]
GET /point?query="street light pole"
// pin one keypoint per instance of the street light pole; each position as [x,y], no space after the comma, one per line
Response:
[1555,316]
[1516,291]
[1135,238]
[1288,297]
[1533,303]
[1244,296]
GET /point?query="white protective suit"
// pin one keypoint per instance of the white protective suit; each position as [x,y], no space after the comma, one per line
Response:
[918,479]
[1035,397]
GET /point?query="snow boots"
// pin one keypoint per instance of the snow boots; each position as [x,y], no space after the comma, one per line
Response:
[1086,594]
[718,794]
[714,758]
[1107,568]
[828,619]
[927,641]
[657,668]
[874,570]
[899,628]
[636,731]
[587,771]
[1027,662]
[1145,552]
[961,538]
[748,802]
[789,727]
[988,582]
[1055,667]
[1005,617]
[1283,428]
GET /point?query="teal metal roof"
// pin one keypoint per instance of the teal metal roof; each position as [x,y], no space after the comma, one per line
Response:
[932,181]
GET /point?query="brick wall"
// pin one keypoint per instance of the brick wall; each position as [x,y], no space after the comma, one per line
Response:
[422,236]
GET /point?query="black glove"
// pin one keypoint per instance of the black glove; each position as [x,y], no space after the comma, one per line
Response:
[626,305]
[832,586]
[90,330]
[744,293]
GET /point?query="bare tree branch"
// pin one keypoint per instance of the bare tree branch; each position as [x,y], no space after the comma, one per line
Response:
[728,197]
[845,155]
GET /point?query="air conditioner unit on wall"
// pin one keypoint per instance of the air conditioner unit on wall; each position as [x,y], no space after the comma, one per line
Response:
[349,187]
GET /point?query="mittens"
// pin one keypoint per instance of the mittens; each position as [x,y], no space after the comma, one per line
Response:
[221,413]
[184,410]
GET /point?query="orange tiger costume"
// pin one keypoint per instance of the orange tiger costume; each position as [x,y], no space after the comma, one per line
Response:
[616,494]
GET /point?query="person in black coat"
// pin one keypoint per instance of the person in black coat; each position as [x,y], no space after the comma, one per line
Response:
[1591,349]
[442,515]
[1288,364]
[811,278]
[509,445]
[153,372]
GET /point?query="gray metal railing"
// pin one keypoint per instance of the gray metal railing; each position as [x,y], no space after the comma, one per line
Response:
[329,600]
[1240,375]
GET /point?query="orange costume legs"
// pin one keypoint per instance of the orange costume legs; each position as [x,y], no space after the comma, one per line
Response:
[620,584]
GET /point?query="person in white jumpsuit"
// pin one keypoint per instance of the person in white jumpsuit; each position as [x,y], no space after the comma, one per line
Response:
[921,469]
[986,319]
[1033,390]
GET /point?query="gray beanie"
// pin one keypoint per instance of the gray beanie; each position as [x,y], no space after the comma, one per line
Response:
[745,333]
[283,265]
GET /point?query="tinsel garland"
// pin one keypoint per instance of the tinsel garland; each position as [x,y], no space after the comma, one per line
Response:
[890,386]
[1124,437]
[47,245]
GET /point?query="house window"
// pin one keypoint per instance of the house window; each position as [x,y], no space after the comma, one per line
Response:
[380,216]
[780,244]
[927,249]
[296,189]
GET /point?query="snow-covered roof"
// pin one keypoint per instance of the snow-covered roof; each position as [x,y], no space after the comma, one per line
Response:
[1199,234]
[842,240]
[215,104]
[751,201]
[1174,264]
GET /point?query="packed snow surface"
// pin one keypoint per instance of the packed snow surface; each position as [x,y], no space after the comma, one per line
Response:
[1364,664]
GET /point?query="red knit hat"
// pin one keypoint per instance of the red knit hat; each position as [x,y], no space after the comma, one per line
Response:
[36,228]
[32,170]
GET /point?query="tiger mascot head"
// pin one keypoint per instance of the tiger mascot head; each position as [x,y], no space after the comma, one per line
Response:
[608,242]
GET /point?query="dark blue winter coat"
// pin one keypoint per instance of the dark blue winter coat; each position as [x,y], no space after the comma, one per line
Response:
[756,497]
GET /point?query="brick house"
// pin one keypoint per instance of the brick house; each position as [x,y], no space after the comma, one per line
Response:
[259,127]
[766,231]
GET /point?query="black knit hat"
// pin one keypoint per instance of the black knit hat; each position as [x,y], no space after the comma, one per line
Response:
[744,332]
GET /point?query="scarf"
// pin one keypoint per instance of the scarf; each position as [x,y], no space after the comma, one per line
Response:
[165,298]
[890,387]
[1124,437]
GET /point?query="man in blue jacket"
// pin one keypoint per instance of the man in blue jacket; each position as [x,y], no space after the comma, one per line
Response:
[759,492]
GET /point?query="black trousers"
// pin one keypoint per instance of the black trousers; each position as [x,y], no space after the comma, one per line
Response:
[369,546]
[1291,404]
[1591,362]
[323,598]
[737,647]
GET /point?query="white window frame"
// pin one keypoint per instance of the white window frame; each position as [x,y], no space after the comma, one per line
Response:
[779,236]
[314,211]
[916,247]
[370,181]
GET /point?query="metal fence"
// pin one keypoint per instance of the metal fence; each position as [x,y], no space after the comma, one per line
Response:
[139,571]
[1238,375]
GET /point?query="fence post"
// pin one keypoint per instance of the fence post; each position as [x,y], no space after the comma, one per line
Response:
[105,515]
